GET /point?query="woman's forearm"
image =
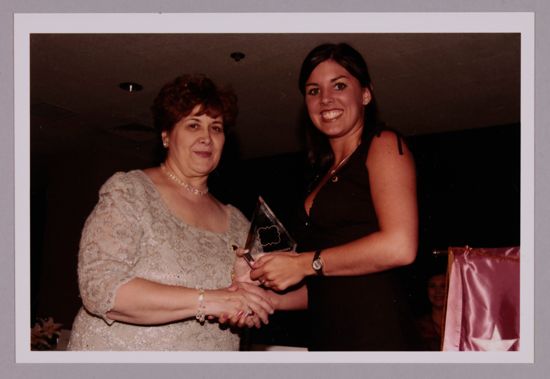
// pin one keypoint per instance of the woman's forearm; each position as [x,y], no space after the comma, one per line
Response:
[374,253]
[141,301]
[290,301]
[144,302]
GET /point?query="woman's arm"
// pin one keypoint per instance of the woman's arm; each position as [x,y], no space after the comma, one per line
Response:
[109,286]
[288,301]
[144,302]
[393,187]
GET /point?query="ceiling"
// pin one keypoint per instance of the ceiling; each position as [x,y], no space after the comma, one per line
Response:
[423,83]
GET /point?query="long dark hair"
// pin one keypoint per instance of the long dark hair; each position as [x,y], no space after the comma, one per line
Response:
[319,152]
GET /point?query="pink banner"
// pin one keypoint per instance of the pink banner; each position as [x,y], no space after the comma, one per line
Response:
[483,300]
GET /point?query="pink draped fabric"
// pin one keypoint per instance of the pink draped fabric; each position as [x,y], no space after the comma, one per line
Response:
[482,300]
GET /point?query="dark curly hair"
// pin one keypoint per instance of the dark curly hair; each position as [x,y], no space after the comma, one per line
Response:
[179,97]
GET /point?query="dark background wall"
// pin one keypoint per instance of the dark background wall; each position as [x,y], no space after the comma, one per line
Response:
[468,193]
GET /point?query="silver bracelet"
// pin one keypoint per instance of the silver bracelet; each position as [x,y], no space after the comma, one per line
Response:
[201,315]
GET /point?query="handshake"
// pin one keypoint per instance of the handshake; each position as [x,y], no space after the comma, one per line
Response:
[254,293]
[241,305]
[246,303]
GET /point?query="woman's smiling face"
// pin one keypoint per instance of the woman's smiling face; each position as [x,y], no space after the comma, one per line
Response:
[335,100]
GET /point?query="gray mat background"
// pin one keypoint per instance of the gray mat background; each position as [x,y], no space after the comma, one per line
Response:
[10,369]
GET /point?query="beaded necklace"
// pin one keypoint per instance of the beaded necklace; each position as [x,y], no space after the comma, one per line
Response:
[187,186]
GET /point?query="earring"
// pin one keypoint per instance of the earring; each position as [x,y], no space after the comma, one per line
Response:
[165,144]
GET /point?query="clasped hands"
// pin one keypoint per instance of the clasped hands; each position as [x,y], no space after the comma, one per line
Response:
[275,271]
[241,304]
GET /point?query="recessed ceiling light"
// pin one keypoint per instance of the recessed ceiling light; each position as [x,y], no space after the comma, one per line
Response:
[130,86]
[237,56]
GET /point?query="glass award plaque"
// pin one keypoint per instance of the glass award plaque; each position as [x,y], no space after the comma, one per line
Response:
[266,233]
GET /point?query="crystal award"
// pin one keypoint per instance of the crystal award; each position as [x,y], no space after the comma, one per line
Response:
[266,233]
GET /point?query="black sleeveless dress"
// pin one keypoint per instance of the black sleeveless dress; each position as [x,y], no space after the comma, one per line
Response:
[352,313]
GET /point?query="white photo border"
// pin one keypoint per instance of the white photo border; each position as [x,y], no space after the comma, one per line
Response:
[493,22]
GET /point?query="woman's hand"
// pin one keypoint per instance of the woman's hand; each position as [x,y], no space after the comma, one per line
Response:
[280,270]
[241,268]
[238,306]
[253,319]
[268,295]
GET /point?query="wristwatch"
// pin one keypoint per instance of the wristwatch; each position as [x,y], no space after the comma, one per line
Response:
[317,263]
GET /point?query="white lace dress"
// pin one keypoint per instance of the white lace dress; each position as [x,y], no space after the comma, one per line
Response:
[131,233]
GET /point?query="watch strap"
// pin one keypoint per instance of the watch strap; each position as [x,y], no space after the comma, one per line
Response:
[317,263]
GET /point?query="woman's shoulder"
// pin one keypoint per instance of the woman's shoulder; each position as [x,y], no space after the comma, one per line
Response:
[385,134]
[387,141]
[125,181]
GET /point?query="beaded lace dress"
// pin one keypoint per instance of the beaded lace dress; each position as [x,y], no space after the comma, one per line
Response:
[131,233]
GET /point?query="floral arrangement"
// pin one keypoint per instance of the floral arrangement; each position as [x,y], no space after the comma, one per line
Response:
[44,334]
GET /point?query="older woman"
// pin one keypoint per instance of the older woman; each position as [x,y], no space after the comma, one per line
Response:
[156,257]
[359,220]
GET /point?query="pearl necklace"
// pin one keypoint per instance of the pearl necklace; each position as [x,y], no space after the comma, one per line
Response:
[188,187]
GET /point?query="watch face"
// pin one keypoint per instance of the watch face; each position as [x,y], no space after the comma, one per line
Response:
[317,265]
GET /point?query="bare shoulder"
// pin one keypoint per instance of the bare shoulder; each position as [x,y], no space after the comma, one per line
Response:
[391,168]
[388,146]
